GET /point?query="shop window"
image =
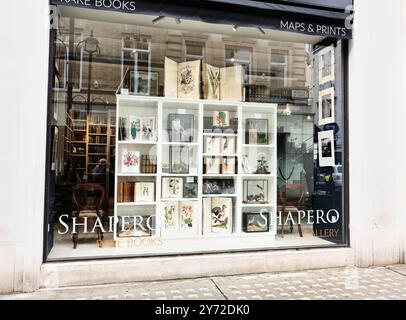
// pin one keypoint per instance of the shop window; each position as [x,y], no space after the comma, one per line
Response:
[219,140]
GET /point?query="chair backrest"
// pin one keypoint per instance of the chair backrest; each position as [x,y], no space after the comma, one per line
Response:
[292,194]
[88,196]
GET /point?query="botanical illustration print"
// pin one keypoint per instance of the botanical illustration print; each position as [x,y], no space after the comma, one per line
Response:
[214,80]
[221,119]
[174,187]
[130,159]
[170,212]
[186,217]
[187,81]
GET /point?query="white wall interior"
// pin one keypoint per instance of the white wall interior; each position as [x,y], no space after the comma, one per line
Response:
[24,33]
[376,131]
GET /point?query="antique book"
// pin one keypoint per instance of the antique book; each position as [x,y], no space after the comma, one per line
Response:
[223,83]
[227,145]
[217,215]
[128,192]
[148,129]
[120,192]
[144,192]
[213,165]
[231,83]
[182,80]
[212,145]
[228,165]
[179,218]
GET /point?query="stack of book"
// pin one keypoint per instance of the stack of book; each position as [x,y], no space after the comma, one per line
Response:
[125,192]
[148,164]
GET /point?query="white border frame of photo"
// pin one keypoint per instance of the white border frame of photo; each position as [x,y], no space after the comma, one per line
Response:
[322,94]
[326,161]
[331,76]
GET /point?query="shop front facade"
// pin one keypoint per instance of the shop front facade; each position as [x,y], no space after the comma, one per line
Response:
[182,142]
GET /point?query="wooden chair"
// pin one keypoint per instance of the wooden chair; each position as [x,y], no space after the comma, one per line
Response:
[291,197]
[87,200]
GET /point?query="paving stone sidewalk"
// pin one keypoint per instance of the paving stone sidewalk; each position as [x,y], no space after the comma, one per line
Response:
[330,284]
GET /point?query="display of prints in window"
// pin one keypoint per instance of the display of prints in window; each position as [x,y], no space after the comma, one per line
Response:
[327,65]
[211,82]
[218,215]
[256,131]
[181,127]
[182,80]
[172,188]
[326,149]
[130,161]
[327,106]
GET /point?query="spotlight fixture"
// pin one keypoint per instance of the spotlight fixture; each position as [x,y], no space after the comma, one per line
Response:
[156,20]
[235,28]
[178,21]
[261,30]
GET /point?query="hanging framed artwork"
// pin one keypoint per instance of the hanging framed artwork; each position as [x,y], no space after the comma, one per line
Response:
[327,65]
[326,149]
[327,106]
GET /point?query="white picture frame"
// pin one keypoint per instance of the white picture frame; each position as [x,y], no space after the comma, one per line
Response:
[187,211]
[212,145]
[327,62]
[326,149]
[170,218]
[327,106]
[227,145]
[172,188]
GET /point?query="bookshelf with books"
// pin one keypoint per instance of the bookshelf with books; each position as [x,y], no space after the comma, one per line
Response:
[199,158]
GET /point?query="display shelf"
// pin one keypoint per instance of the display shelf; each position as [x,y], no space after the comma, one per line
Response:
[136,175]
[135,204]
[201,110]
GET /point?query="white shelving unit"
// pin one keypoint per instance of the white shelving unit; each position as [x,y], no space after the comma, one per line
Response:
[160,107]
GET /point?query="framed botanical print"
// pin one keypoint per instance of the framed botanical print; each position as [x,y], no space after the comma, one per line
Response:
[135,128]
[179,159]
[221,215]
[256,131]
[181,127]
[130,161]
[187,213]
[170,218]
[327,106]
[256,191]
[221,119]
[172,188]
[256,222]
